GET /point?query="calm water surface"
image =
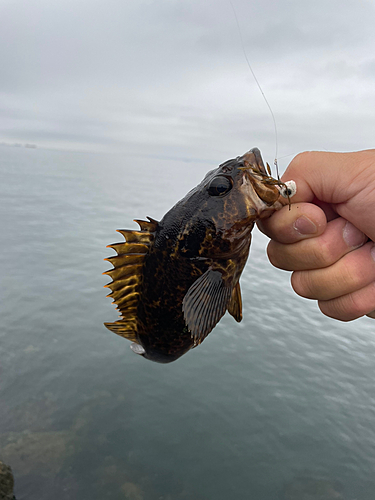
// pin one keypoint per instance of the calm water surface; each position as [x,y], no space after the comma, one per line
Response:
[281,406]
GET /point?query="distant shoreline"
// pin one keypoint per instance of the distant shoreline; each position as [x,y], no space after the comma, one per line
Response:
[18,145]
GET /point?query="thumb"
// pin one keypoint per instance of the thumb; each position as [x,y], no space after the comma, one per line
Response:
[346,181]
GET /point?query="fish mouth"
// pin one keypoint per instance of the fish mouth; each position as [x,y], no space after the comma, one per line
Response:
[253,160]
[262,191]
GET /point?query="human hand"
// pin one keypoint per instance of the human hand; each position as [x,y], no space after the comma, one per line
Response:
[327,238]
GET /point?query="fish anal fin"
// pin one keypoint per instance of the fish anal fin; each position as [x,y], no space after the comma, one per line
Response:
[235,303]
[126,329]
[205,304]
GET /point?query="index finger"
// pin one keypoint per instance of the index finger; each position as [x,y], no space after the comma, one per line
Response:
[327,176]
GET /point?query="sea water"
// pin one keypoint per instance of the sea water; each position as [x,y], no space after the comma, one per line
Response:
[280,406]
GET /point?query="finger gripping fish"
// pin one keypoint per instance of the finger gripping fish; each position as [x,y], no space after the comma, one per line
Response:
[173,280]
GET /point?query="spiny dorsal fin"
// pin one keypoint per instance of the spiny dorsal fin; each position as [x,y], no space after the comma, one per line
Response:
[205,304]
[136,236]
[149,225]
[127,275]
[235,303]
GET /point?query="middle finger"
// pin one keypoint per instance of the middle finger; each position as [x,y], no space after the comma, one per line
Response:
[353,272]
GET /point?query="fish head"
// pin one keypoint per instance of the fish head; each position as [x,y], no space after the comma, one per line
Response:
[237,193]
[215,219]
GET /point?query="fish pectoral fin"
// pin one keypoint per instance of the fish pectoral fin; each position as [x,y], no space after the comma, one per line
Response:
[205,304]
[235,303]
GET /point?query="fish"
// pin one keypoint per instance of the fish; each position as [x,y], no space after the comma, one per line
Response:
[173,280]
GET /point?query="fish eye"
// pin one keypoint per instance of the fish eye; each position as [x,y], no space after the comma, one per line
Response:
[219,186]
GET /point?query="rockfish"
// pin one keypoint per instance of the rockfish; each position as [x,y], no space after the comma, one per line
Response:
[173,280]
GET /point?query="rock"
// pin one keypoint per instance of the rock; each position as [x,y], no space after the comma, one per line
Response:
[41,453]
[35,415]
[6,482]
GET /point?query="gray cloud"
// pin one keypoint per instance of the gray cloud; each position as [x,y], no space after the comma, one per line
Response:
[169,77]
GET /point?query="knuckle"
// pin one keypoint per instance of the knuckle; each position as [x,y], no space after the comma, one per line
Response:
[355,305]
[322,254]
[352,272]
[329,253]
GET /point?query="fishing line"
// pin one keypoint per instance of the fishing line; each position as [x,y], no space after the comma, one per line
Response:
[260,88]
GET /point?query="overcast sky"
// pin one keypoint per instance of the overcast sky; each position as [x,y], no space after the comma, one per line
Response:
[168,78]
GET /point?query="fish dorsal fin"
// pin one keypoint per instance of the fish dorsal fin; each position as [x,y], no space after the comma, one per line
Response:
[235,303]
[127,275]
[205,304]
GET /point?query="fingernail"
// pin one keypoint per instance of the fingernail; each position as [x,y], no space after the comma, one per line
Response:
[304,225]
[353,237]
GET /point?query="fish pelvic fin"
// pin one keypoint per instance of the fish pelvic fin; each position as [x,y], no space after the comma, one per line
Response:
[127,275]
[235,303]
[205,303]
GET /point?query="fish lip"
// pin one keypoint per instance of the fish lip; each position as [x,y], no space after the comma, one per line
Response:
[253,159]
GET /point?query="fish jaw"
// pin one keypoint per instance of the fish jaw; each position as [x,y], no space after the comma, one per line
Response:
[264,194]
[253,159]
[257,208]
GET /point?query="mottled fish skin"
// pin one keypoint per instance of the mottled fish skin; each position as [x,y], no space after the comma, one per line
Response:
[173,280]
